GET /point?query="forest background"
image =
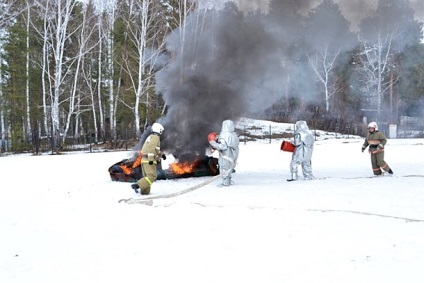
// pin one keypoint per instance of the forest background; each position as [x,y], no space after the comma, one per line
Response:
[104,70]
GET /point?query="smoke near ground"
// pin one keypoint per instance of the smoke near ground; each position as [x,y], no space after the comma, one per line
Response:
[233,61]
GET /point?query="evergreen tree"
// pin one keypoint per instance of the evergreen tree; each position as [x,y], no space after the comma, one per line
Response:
[14,81]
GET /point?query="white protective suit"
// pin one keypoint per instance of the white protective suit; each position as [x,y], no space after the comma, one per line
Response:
[228,147]
[304,146]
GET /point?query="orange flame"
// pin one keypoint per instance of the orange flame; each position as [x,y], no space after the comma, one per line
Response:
[127,168]
[182,168]
[137,162]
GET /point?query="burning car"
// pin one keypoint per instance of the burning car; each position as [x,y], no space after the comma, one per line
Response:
[129,170]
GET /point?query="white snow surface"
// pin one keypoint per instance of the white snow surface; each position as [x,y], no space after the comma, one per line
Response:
[60,220]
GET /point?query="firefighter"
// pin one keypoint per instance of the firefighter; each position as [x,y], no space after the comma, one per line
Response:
[151,155]
[302,154]
[376,141]
[227,144]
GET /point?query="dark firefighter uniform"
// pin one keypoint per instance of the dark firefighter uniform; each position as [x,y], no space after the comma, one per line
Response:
[376,141]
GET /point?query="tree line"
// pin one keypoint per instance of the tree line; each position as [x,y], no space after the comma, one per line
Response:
[75,68]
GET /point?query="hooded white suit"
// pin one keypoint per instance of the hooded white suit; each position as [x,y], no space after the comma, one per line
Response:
[304,146]
[228,147]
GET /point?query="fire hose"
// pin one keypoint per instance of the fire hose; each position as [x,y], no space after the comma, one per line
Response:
[149,200]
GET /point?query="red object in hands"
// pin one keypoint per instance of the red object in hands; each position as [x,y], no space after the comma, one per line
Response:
[287,146]
[212,136]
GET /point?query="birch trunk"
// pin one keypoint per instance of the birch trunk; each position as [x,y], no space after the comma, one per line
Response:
[44,72]
[323,63]
[59,24]
[99,81]
[28,109]
[86,32]
[110,18]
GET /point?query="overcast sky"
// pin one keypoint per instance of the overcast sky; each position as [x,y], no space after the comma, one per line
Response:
[353,10]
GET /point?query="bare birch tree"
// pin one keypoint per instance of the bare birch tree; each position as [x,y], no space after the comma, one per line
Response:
[27,94]
[42,31]
[107,15]
[184,8]
[329,36]
[323,63]
[85,32]
[384,35]
[143,20]
[373,68]
[58,15]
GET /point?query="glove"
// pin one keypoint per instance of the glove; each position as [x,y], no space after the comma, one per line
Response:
[163,156]
[150,162]
[380,146]
[363,148]
[213,144]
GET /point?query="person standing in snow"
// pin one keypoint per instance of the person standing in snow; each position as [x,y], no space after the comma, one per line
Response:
[302,154]
[227,144]
[151,154]
[376,141]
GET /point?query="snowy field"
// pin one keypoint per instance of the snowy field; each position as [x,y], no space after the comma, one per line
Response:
[60,220]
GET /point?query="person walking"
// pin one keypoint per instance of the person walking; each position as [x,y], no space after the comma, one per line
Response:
[227,144]
[151,154]
[302,154]
[376,141]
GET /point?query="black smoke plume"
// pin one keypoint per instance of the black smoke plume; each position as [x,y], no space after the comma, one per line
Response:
[224,69]
[229,63]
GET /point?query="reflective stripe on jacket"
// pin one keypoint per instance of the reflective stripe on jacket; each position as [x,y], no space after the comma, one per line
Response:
[373,140]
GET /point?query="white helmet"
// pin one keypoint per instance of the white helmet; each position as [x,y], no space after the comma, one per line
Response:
[373,125]
[157,128]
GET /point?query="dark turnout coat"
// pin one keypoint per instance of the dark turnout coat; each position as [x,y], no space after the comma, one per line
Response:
[376,142]
[373,140]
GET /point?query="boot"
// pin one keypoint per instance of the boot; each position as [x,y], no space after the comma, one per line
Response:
[145,191]
[226,181]
[135,187]
[293,177]
[308,176]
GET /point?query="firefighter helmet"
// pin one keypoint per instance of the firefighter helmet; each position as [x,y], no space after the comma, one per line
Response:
[373,125]
[157,128]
